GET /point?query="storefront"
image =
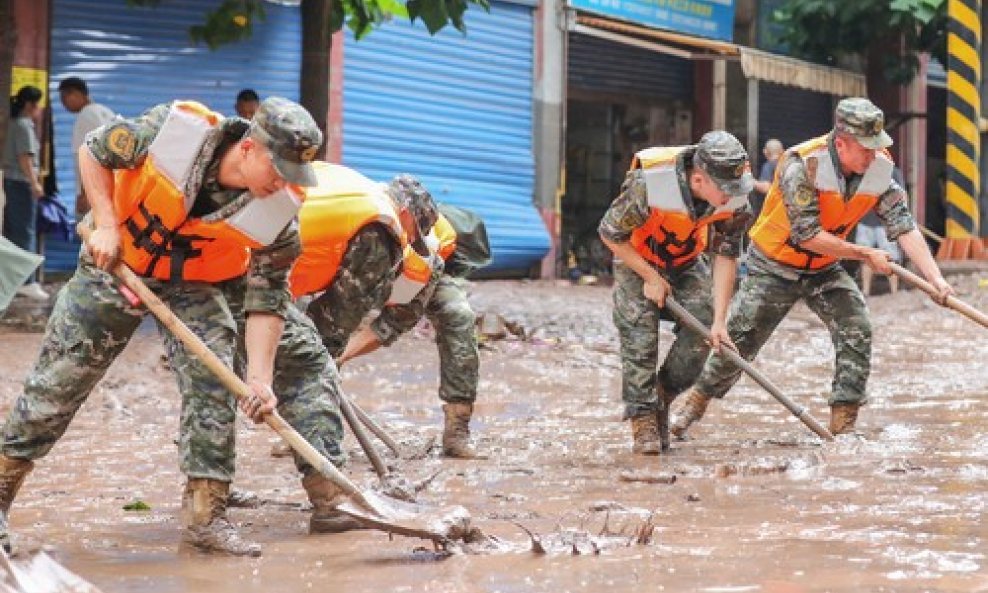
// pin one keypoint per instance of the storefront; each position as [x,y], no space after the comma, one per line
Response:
[456,111]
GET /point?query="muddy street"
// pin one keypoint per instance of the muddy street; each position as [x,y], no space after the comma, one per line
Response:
[757,503]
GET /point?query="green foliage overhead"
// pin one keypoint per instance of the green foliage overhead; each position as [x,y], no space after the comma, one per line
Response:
[233,20]
[838,32]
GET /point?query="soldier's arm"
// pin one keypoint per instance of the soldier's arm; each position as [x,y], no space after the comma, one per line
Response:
[362,283]
[119,145]
[628,212]
[266,301]
[893,210]
[726,241]
[395,320]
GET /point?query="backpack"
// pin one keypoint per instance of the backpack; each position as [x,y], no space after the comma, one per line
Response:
[473,249]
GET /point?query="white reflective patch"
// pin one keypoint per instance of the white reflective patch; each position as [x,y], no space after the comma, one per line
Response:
[877,178]
[662,189]
[263,218]
[826,175]
[432,244]
[404,290]
[175,148]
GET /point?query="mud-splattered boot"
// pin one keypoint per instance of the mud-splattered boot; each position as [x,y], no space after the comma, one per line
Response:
[12,474]
[693,409]
[662,418]
[204,518]
[842,418]
[456,431]
[645,433]
[324,496]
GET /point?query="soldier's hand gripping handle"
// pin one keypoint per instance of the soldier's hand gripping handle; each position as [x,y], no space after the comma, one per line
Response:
[261,401]
[103,245]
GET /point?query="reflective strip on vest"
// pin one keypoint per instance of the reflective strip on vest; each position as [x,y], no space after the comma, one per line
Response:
[176,147]
[262,219]
[663,190]
[878,176]
[826,176]
[416,271]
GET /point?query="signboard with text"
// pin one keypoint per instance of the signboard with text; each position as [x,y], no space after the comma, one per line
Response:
[705,18]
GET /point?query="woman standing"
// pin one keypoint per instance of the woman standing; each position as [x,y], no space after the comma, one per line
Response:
[21,183]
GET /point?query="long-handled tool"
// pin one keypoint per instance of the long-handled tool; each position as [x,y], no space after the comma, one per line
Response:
[347,408]
[375,428]
[798,411]
[383,512]
[952,302]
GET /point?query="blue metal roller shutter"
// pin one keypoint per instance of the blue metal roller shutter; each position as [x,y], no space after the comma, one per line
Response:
[134,58]
[456,112]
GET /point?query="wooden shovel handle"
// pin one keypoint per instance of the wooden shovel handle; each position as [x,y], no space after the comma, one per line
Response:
[800,412]
[952,302]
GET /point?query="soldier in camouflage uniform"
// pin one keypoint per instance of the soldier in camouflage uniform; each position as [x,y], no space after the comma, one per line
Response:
[93,321]
[369,270]
[823,188]
[658,229]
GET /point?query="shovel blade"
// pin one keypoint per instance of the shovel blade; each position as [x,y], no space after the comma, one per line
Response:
[438,524]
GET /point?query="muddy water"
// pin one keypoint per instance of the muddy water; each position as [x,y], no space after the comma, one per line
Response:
[758,504]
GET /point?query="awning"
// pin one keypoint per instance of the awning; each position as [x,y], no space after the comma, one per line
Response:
[762,65]
[756,64]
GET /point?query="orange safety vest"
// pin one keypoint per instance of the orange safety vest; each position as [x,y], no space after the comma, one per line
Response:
[159,239]
[771,233]
[669,238]
[416,270]
[342,203]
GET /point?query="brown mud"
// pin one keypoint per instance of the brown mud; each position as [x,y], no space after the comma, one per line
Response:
[758,503]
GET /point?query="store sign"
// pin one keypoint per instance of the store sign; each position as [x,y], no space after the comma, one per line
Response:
[704,18]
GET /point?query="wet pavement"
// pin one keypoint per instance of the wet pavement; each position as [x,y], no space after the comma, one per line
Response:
[757,504]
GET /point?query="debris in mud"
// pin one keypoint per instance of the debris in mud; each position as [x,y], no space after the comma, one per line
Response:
[607,505]
[647,476]
[765,466]
[39,573]
[137,505]
[693,497]
[903,466]
[580,542]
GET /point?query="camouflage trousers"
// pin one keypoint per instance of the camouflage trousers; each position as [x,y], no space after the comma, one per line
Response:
[450,314]
[89,327]
[763,301]
[637,321]
[308,387]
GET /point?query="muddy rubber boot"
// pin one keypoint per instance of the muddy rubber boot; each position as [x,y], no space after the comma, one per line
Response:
[456,431]
[204,518]
[645,434]
[693,409]
[12,474]
[324,496]
[842,418]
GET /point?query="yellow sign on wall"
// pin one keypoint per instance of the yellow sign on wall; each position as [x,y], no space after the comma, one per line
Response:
[23,75]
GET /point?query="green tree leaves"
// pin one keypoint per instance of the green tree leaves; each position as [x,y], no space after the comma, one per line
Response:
[841,32]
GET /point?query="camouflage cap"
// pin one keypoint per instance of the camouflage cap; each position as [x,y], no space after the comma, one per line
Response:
[409,194]
[725,160]
[859,116]
[292,136]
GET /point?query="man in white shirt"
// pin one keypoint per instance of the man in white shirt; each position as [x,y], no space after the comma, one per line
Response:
[74,93]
